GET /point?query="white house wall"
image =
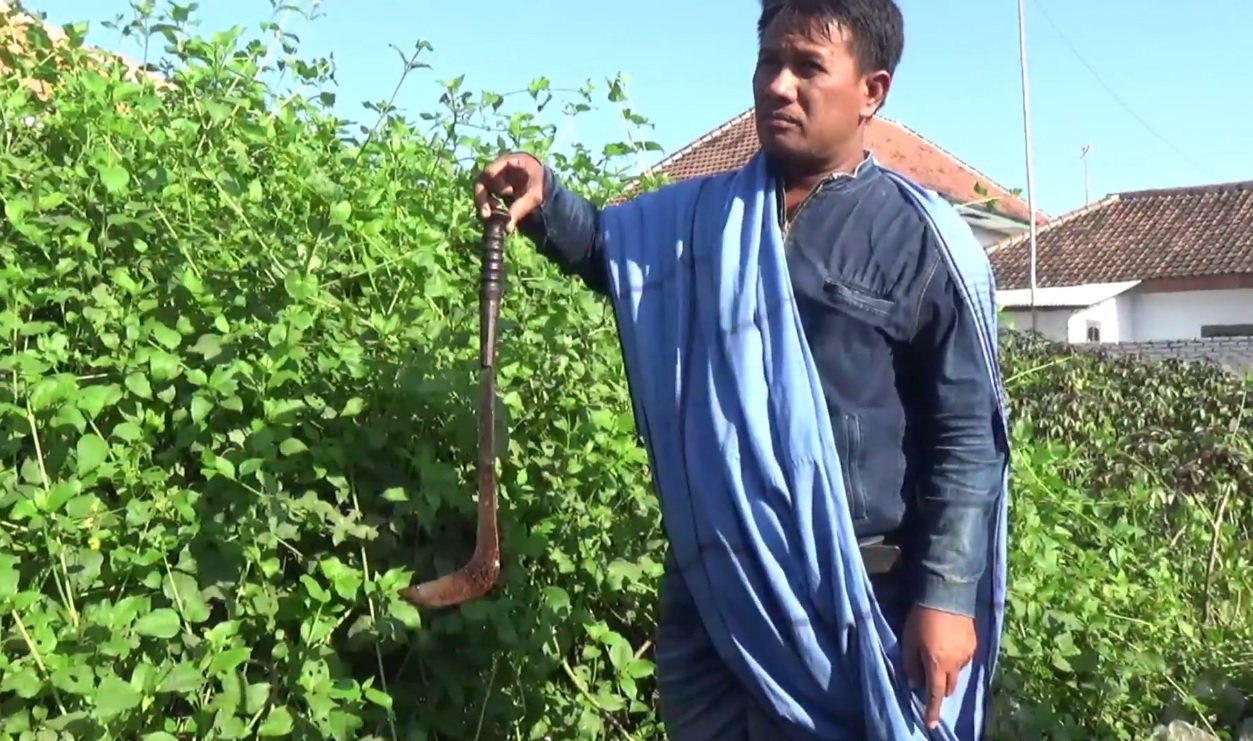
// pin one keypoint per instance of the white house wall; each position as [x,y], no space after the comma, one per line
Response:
[1141,317]
[1052,323]
[1179,315]
[1105,317]
[986,237]
[1071,325]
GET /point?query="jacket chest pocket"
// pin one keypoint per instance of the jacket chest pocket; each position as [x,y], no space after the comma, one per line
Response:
[879,311]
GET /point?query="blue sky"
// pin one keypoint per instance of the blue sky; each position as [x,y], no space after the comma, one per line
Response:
[1161,110]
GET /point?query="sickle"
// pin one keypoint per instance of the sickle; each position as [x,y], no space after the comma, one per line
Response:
[478,576]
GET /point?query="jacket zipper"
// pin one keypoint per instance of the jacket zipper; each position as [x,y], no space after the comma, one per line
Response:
[786,222]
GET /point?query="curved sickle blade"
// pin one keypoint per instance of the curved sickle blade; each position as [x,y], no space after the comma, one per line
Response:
[478,576]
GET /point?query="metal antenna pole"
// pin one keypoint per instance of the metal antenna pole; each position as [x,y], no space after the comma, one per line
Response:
[1026,136]
[1087,180]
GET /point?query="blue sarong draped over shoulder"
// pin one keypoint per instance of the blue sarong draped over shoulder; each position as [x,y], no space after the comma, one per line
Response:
[729,404]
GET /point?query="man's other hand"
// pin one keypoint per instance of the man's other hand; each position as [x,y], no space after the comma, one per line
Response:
[936,646]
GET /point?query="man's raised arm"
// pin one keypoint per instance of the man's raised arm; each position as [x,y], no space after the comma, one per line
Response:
[563,225]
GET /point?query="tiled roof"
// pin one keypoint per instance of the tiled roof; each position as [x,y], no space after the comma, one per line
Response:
[14,18]
[731,145]
[1140,235]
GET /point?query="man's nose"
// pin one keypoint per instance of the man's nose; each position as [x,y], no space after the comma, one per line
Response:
[783,85]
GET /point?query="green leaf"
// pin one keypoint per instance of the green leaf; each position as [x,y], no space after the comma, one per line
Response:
[128,432]
[256,696]
[183,679]
[93,399]
[208,346]
[378,697]
[91,453]
[314,589]
[23,682]
[114,697]
[406,613]
[182,590]
[340,213]
[200,408]
[292,446]
[76,679]
[279,722]
[167,337]
[394,494]
[352,407]
[223,466]
[228,661]
[139,385]
[9,576]
[114,178]
[160,623]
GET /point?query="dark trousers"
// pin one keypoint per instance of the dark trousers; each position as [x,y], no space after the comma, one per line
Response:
[700,699]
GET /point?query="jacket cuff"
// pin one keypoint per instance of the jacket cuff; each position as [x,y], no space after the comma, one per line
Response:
[946,595]
[535,221]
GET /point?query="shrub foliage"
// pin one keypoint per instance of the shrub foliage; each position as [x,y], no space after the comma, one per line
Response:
[1132,544]
[236,415]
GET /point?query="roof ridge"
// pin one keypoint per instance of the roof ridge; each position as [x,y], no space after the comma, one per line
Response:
[687,148]
[1054,223]
[1227,187]
[964,164]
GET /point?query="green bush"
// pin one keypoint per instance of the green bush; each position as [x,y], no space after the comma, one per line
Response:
[239,368]
[1132,559]
[236,415]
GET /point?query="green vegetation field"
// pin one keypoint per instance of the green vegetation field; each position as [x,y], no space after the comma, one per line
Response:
[237,353]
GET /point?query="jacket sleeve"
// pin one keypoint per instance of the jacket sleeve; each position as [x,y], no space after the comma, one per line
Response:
[961,477]
[565,229]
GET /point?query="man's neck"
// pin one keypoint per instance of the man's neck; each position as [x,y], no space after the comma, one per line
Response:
[806,176]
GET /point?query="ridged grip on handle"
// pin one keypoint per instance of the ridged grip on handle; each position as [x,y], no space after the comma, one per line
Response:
[491,284]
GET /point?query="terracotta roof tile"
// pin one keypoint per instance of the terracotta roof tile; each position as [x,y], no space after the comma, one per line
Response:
[731,145]
[13,20]
[1139,235]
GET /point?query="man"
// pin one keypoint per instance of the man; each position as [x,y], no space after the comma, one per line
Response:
[915,414]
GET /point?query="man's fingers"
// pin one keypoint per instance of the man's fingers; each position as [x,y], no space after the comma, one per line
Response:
[523,205]
[913,663]
[480,198]
[506,179]
[489,184]
[937,684]
[485,195]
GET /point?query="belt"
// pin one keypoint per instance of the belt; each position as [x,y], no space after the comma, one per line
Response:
[880,558]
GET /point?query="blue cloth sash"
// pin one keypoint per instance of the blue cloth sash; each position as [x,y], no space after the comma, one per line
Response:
[731,411]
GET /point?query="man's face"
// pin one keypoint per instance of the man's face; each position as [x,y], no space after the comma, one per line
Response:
[809,95]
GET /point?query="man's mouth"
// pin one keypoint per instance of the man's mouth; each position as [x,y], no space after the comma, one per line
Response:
[781,121]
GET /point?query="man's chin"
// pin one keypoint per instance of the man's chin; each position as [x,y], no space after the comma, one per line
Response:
[778,144]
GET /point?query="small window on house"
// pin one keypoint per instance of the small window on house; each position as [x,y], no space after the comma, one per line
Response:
[1094,332]
[1227,330]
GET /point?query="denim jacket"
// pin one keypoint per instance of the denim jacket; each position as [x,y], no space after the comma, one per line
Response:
[912,407]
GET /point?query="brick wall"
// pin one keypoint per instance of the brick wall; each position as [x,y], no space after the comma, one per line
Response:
[1233,353]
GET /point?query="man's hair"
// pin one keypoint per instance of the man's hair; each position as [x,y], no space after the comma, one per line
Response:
[876,26]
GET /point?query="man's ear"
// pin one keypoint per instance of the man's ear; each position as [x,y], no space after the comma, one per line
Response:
[875,87]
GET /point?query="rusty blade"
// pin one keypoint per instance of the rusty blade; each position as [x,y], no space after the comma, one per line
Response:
[479,575]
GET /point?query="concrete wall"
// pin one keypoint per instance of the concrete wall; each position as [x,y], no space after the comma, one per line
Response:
[1141,317]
